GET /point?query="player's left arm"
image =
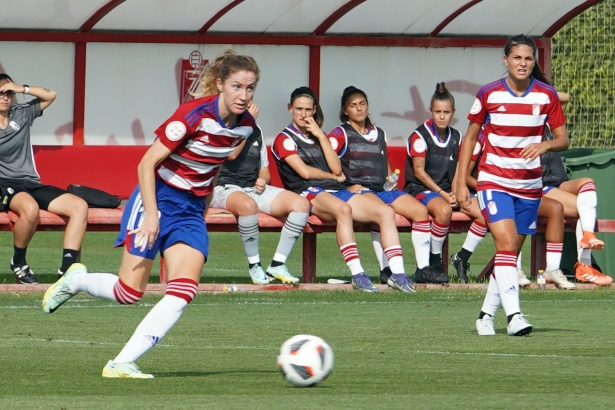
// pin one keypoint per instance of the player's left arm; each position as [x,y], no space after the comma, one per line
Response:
[45,95]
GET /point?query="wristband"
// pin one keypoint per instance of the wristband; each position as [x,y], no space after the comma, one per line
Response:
[26,89]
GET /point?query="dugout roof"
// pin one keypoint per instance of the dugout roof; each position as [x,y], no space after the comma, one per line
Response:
[394,18]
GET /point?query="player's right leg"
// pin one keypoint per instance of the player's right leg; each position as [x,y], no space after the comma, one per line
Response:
[330,208]
[124,289]
[239,203]
[554,212]
[476,234]
[26,208]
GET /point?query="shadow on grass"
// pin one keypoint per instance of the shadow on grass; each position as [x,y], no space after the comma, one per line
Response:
[205,374]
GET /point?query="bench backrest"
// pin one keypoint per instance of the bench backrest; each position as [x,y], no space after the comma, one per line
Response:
[113,168]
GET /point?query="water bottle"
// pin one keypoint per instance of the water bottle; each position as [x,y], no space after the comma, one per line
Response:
[391,180]
[541,280]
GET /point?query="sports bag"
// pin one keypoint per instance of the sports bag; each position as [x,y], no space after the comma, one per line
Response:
[95,198]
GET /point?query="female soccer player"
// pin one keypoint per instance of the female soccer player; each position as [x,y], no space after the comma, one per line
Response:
[165,212]
[243,189]
[579,199]
[363,154]
[550,209]
[513,111]
[309,164]
[431,162]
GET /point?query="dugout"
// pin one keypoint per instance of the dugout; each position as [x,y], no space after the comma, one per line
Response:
[120,67]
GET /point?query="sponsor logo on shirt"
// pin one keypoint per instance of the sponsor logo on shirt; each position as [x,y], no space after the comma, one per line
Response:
[535,109]
[14,125]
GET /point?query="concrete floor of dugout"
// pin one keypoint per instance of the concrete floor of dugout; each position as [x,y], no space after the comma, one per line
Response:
[223,288]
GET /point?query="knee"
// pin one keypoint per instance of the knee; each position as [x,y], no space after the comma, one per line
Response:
[79,209]
[443,214]
[344,213]
[28,212]
[300,204]
[245,208]
[421,213]
[386,214]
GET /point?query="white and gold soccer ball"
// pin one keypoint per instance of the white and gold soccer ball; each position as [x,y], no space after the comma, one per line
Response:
[305,360]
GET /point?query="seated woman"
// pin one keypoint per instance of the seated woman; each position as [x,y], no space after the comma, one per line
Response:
[309,165]
[430,169]
[243,189]
[363,155]
[579,199]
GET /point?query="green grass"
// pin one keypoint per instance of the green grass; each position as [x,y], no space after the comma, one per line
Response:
[391,351]
[227,262]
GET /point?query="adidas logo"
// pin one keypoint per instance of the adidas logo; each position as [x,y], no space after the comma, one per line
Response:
[255,143]
[250,239]
[67,255]
[533,225]
[512,289]
[502,109]
[426,243]
[153,339]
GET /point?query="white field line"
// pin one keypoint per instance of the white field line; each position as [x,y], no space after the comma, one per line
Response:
[540,356]
[85,342]
[276,302]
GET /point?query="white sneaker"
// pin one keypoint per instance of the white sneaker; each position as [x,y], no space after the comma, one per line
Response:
[484,326]
[280,273]
[258,275]
[60,292]
[558,278]
[523,280]
[124,371]
[518,326]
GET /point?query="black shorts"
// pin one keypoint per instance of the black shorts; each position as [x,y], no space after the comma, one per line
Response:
[42,194]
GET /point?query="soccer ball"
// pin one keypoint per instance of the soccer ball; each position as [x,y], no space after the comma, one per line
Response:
[305,360]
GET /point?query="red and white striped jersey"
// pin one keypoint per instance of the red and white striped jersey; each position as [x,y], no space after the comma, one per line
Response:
[511,123]
[200,142]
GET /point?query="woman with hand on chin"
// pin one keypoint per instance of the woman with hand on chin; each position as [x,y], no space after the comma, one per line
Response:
[308,163]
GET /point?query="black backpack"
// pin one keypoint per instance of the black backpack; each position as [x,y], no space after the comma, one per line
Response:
[95,198]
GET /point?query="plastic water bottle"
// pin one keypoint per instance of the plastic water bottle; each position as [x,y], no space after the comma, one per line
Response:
[391,180]
[541,280]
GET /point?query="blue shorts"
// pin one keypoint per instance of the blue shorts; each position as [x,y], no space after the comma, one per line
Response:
[546,189]
[388,197]
[313,191]
[426,196]
[181,220]
[498,205]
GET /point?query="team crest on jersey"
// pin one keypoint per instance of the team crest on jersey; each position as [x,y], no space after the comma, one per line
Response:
[289,145]
[535,109]
[14,125]
[419,146]
[476,107]
[476,148]
[175,130]
[493,208]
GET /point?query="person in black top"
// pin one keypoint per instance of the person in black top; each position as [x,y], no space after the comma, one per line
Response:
[363,155]
[308,163]
[243,188]
[431,162]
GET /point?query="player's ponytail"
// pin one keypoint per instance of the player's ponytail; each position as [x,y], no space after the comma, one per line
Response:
[442,94]
[223,67]
[522,39]
[349,92]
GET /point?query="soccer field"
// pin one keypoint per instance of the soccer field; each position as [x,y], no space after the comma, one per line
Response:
[391,351]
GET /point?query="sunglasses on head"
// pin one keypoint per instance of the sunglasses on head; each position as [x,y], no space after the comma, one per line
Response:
[8,94]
